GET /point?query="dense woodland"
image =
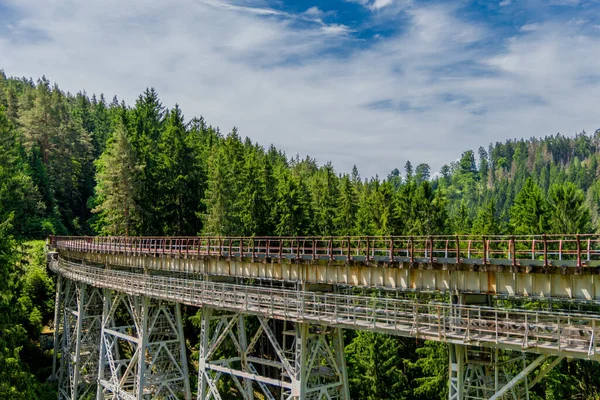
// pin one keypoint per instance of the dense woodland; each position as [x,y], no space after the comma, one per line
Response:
[79,164]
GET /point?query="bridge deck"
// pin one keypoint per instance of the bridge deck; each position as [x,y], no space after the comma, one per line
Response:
[564,267]
[557,333]
[546,251]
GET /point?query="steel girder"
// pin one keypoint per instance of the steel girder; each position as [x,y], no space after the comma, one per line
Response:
[78,312]
[142,353]
[281,360]
[490,374]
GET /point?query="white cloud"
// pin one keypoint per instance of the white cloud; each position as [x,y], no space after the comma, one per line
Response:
[426,94]
[335,29]
[252,10]
[534,26]
[377,4]
[314,12]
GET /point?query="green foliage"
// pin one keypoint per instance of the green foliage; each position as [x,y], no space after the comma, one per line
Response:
[431,367]
[529,214]
[117,187]
[16,284]
[567,209]
[375,367]
[75,164]
[488,221]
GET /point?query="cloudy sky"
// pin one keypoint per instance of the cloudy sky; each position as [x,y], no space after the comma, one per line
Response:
[366,82]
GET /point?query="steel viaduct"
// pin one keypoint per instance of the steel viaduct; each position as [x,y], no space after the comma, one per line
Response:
[273,310]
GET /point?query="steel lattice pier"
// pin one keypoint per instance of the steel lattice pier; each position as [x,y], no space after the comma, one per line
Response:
[119,335]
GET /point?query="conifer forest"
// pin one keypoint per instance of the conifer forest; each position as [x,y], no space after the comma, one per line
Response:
[83,164]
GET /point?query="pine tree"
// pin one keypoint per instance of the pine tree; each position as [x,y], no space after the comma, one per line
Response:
[15,380]
[355,176]
[461,220]
[117,186]
[375,367]
[395,179]
[422,173]
[147,123]
[488,221]
[39,120]
[384,220]
[177,187]
[364,225]
[12,104]
[253,206]
[431,211]
[568,212]
[408,170]
[291,211]
[431,369]
[3,85]
[325,194]
[18,196]
[222,215]
[345,214]
[529,213]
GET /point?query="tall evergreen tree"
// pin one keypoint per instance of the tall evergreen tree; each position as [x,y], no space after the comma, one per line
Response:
[325,194]
[117,187]
[291,211]
[147,123]
[345,214]
[422,173]
[529,213]
[568,212]
[488,221]
[39,120]
[252,199]
[178,187]
[18,195]
[375,365]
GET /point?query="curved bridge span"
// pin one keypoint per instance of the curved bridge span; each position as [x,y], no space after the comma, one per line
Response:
[273,310]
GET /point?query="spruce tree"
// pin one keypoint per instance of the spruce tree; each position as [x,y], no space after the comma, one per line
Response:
[529,213]
[325,195]
[252,199]
[291,211]
[177,187]
[345,214]
[224,165]
[567,210]
[422,173]
[117,186]
[18,196]
[488,221]
[147,122]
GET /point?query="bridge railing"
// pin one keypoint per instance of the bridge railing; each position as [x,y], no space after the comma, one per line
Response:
[541,250]
[553,331]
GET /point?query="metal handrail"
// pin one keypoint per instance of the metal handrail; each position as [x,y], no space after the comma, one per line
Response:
[564,333]
[547,250]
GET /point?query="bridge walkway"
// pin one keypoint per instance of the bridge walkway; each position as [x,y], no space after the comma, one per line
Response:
[207,272]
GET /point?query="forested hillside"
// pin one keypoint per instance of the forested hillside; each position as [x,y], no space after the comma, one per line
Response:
[79,164]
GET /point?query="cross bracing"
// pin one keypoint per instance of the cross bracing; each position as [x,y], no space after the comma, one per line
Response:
[233,280]
[556,333]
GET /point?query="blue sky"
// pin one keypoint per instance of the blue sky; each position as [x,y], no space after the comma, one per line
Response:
[368,82]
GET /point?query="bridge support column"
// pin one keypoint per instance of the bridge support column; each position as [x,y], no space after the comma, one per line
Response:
[456,356]
[488,373]
[142,352]
[281,360]
[78,312]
